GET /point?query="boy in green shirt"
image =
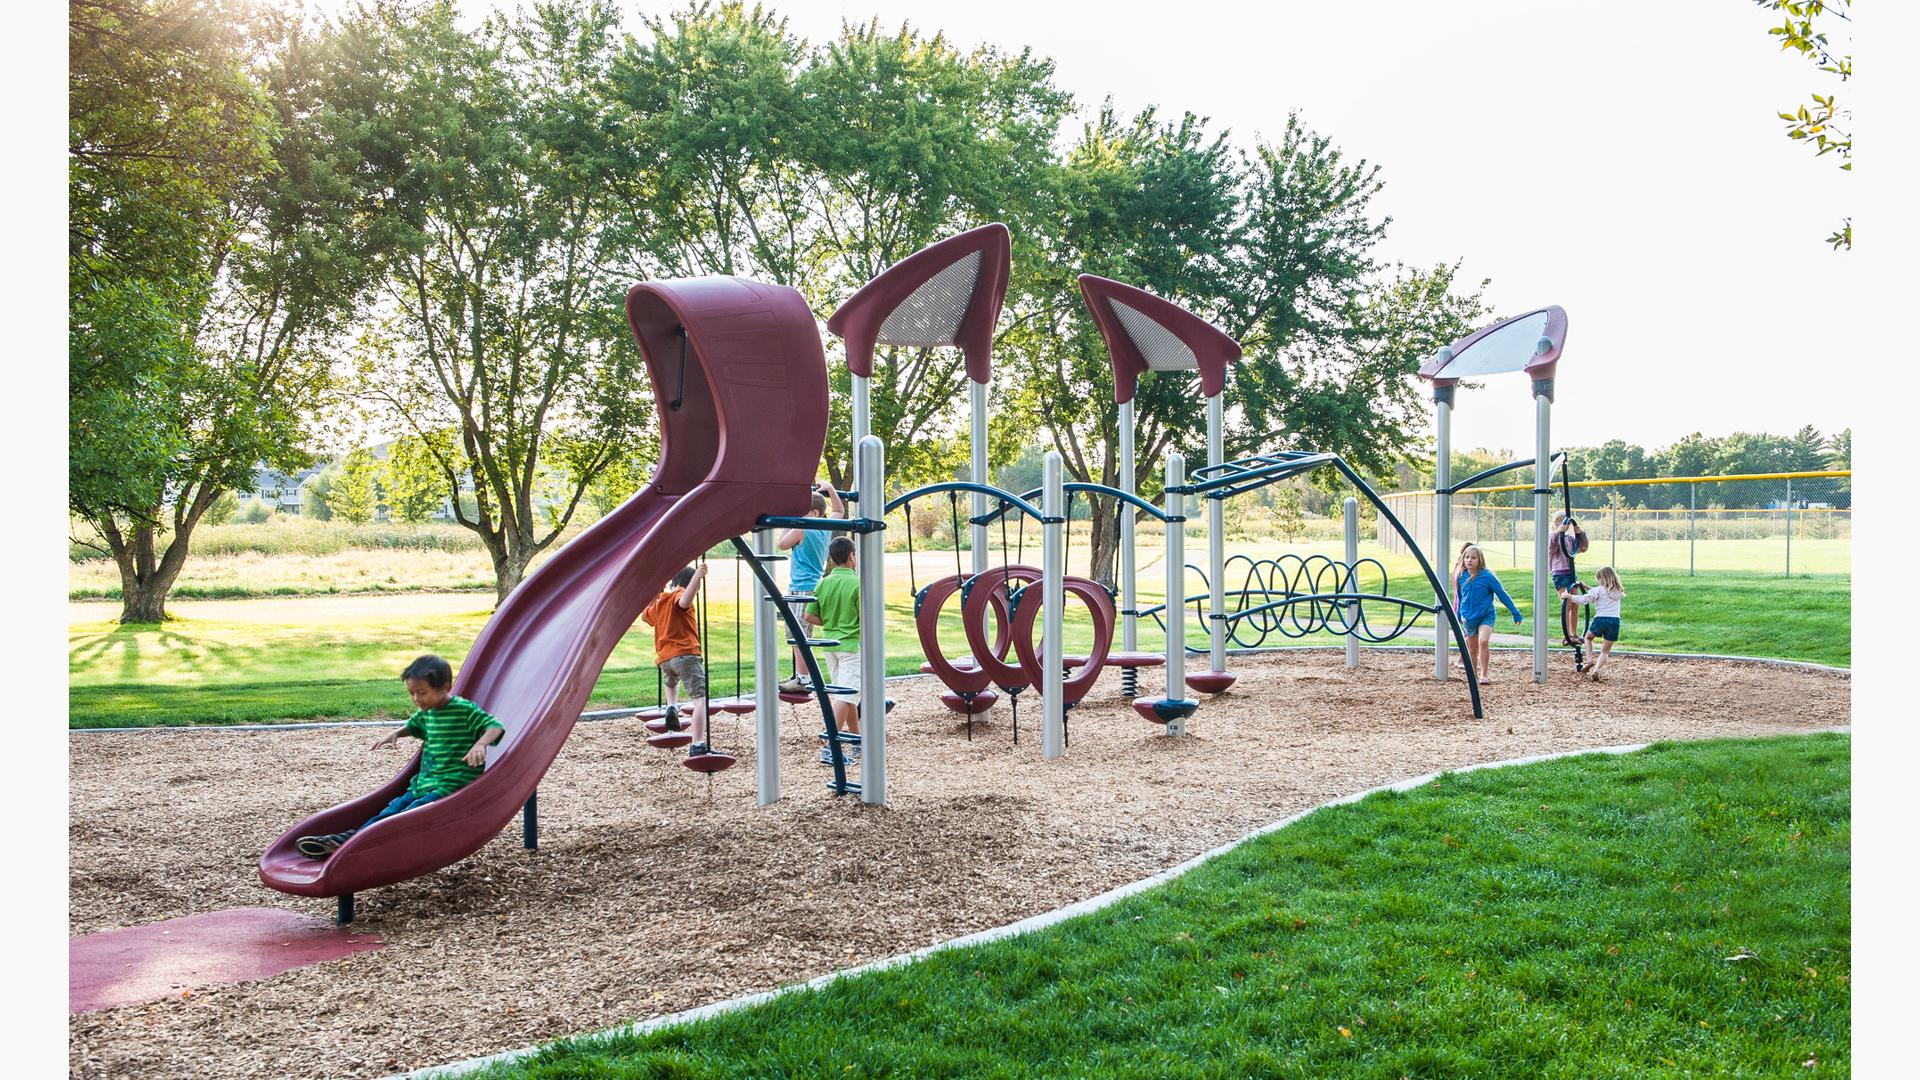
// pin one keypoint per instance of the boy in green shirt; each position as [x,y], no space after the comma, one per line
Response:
[836,611]
[455,734]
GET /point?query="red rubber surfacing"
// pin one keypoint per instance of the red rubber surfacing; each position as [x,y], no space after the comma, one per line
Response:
[217,948]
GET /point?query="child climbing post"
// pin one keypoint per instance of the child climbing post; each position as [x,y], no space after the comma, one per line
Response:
[1569,540]
[837,614]
[809,547]
[676,649]
[454,735]
[1476,587]
[1605,597]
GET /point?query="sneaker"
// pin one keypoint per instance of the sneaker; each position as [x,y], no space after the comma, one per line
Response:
[826,755]
[672,718]
[699,749]
[795,685]
[319,847]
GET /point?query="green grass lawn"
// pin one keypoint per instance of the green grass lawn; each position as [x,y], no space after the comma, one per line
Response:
[1683,911]
[266,660]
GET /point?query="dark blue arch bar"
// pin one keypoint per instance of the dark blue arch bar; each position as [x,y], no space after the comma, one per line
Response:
[1008,500]
[1127,497]
[1560,457]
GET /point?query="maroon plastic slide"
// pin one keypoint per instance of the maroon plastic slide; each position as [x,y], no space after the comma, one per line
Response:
[740,384]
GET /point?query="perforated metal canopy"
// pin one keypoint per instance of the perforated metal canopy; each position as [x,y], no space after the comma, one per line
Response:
[930,316]
[1529,342]
[1145,333]
[948,293]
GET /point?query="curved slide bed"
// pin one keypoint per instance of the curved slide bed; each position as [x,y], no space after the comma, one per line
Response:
[740,386]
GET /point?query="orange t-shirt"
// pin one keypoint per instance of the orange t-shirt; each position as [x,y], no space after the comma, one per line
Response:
[675,630]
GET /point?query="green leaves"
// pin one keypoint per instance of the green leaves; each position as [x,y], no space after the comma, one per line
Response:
[1825,127]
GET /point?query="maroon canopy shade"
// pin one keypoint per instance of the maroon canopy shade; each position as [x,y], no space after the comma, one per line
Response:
[948,293]
[1145,333]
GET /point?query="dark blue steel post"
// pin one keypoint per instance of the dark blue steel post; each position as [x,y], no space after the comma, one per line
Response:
[530,822]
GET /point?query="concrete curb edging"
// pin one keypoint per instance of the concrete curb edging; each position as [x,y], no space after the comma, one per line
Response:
[1023,926]
[615,714]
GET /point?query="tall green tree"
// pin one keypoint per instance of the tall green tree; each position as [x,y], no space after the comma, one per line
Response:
[208,262]
[412,481]
[709,122]
[505,287]
[355,494]
[1275,248]
[748,152]
[912,140]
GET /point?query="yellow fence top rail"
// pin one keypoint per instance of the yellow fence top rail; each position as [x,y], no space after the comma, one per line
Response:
[1649,480]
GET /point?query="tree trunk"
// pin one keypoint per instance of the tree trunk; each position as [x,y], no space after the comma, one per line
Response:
[146,581]
[509,563]
[1101,561]
[144,602]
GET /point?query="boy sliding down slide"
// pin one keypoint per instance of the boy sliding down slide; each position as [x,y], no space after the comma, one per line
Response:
[455,734]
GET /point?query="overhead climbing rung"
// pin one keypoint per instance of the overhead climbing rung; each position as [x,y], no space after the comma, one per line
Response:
[816,643]
[797,598]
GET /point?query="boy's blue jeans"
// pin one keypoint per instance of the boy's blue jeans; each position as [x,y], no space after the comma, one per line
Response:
[406,801]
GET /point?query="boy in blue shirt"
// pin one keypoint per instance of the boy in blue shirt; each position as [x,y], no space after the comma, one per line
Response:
[809,547]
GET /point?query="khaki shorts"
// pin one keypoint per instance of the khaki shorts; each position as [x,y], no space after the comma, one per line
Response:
[688,673]
[799,609]
[843,669]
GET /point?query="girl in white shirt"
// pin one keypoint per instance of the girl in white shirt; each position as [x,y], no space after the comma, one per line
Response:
[1605,598]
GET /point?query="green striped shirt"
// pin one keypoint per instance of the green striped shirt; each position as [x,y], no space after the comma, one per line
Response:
[447,733]
[837,603]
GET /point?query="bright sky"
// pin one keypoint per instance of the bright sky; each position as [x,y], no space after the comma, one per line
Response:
[1624,163]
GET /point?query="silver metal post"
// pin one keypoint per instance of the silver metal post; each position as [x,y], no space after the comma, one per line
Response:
[1350,511]
[1129,623]
[978,396]
[1613,527]
[1216,547]
[1053,739]
[862,418]
[870,475]
[1176,613]
[1789,526]
[1693,528]
[1442,514]
[766,678]
[1544,598]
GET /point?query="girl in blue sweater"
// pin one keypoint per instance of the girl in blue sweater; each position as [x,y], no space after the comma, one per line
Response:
[1476,588]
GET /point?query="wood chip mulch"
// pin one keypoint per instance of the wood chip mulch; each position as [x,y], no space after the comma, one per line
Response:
[653,892]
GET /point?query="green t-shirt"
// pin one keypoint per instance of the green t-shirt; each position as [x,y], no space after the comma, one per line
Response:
[447,733]
[837,602]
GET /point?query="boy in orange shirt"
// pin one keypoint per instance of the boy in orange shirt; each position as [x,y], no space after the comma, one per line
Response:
[676,649]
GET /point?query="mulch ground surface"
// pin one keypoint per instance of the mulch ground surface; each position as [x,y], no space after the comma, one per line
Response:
[653,892]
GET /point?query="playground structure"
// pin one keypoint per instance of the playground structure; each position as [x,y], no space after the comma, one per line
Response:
[723,354]
[1530,342]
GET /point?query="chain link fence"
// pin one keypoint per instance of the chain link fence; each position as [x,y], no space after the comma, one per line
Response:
[1694,535]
